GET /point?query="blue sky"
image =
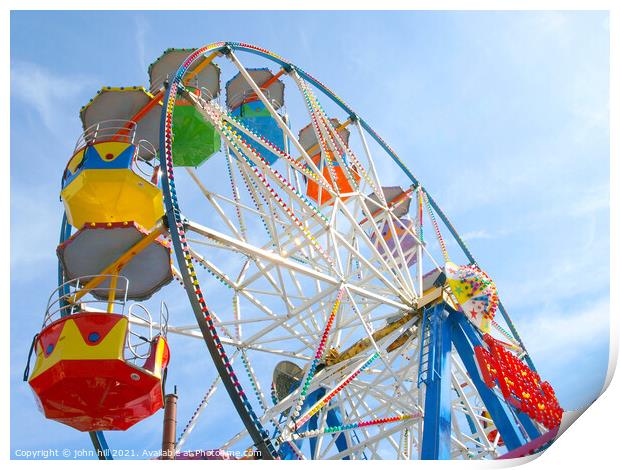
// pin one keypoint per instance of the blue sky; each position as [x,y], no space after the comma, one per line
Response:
[509,109]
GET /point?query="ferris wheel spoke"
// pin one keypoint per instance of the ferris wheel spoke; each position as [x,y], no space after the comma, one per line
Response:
[398,377]
[345,381]
[222,276]
[354,251]
[189,427]
[196,334]
[235,194]
[295,219]
[313,315]
[381,339]
[214,203]
[371,162]
[401,255]
[385,394]
[254,195]
[214,196]
[245,293]
[338,147]
[254,188]
[353,416]
[272,219]
[386,406]
[291,253]
[272,257]
[456,432]
[285,321]
[398,292]
[387,363]
[372,246]
[270,293]
[319,298]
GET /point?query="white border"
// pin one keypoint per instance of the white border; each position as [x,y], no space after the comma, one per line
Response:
[591,440]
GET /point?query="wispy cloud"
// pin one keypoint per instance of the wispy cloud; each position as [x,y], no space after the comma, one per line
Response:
[141,29]
[582,208]
[566,331]
[47,92]
[477,235]
[564,280]
[51,100]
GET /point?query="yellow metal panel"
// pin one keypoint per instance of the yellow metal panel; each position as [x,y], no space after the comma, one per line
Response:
[159,356]
[75,161]
[111,148]
[115,195]
[71,346]
[201,65]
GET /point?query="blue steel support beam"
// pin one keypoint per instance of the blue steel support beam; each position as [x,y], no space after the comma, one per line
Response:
[437,404]
[101,445]
[529,426]
[333,419]
[465,338]
[65,234]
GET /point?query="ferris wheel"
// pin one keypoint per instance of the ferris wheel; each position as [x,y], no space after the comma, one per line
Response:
[340,321]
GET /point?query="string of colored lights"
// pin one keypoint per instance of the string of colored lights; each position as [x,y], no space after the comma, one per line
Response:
[330,166]
[193,419]
[252,189]
[219,276]
[348,427]
[318,115]
[325,400]
[255,386]
[289,212]
[317,355]
[406,444]
[505,333]
[420,214]
[223,122]
[235,193]
[442,243]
